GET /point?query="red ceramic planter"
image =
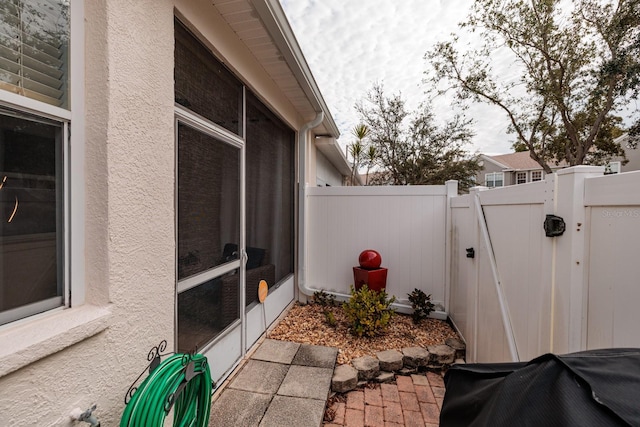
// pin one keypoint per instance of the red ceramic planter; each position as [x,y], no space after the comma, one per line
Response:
[374,279]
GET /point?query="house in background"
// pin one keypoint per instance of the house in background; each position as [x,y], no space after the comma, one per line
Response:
[632,152]
[154,158]
[510,169]
[519,168]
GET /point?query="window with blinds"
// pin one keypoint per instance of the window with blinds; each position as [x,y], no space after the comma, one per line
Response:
[34,44]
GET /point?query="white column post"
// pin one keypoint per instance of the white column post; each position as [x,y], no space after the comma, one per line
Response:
[451,190]
[569,289]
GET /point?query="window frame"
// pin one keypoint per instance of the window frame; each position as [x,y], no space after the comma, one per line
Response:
[618,167]
[519,175]
[491,178]
[73,211]
[535,174]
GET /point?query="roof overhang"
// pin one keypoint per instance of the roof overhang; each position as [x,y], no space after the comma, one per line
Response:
[495,162]
[263,27]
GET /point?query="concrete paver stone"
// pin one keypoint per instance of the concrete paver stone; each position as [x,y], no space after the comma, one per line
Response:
[260,377]
[287,411]
[276,351]
[306,381]
[316,355]
[238,408]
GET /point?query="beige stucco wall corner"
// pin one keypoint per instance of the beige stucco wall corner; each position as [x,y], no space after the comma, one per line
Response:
[129,221]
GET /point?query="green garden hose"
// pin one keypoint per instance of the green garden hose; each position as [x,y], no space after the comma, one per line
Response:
[190,386]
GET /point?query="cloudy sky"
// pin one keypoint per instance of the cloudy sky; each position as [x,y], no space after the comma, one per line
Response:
[351,44]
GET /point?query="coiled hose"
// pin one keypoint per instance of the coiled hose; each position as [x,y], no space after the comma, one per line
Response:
[152,401]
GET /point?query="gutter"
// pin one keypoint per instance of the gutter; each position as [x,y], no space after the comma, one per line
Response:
[275,21]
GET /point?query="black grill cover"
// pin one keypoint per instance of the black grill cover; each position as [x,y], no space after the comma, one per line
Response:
[589,388]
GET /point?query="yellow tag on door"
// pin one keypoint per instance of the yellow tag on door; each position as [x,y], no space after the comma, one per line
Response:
[263,290]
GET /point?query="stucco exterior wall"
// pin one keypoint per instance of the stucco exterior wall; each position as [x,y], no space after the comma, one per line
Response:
[326,173]
[129,206]
[129,229]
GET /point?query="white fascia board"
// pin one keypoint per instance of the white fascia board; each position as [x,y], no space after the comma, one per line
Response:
[275,21]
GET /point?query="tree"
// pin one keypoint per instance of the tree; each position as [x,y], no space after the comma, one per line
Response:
[357,149]
[413,149]
[371,160]
[578,66]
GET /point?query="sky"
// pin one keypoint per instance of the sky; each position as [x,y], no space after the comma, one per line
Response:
[350,45]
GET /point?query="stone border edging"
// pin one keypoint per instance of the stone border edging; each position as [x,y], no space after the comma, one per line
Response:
[386,364]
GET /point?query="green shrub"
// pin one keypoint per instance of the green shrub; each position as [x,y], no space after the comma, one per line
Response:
[324,299]
[330,318]
[421,304]
[368,311]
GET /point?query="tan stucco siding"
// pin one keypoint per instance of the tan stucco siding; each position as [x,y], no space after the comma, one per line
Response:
[129,233]
[129,204]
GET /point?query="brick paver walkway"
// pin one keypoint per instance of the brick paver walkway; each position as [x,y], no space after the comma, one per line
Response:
[413,400]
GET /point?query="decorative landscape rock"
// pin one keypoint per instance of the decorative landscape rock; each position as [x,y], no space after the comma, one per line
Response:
[407,371]
[345,378]
[390,360]
[368,367]
[381,368]
[415,357]
[458,346]
[441,354]
[385,377]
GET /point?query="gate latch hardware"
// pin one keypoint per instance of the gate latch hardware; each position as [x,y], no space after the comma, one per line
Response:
[554,226]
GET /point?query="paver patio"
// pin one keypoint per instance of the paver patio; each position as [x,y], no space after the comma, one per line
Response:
[413,400]
[287,384]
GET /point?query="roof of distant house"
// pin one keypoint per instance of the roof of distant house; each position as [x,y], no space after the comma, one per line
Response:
[520,161]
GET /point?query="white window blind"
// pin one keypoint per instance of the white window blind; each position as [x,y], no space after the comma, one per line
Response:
[34,41]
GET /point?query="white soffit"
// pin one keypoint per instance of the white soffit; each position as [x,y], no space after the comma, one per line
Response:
[262,26]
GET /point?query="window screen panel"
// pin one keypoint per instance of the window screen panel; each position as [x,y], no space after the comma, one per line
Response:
[30,215]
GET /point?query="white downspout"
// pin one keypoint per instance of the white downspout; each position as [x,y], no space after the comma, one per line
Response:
[302,201]
[302,206]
